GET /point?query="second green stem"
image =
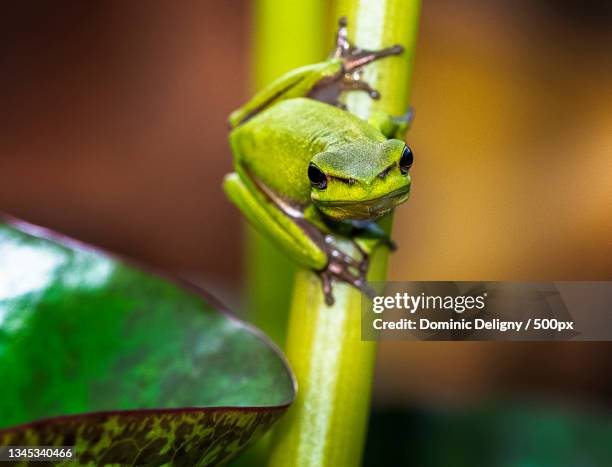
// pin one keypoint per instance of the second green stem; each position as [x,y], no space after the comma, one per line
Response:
[326,426]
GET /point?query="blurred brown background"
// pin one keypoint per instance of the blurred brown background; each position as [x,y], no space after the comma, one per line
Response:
[112,130]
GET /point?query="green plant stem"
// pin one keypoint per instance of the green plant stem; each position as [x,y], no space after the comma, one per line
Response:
[326,426]
[287,35]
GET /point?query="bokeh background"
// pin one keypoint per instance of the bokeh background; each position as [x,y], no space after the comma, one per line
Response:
[113,130]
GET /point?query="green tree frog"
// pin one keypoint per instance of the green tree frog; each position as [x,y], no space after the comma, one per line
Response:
[308,171]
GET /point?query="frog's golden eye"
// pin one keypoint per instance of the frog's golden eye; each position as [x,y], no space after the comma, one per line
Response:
[317,177]
[406,160]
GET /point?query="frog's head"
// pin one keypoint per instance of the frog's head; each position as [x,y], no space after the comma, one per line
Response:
[361,180]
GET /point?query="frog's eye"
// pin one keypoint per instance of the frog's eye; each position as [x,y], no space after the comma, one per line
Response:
[317,177]
[406,160]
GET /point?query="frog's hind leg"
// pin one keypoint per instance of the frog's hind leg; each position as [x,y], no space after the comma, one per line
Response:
[272,222]
[350,77]
[355,57]
[301,240]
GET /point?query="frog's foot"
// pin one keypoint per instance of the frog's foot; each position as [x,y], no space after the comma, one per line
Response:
[390,126]
[350,76]
[354,82]
[345,268]
[367,235]
[405,121]
[355,58]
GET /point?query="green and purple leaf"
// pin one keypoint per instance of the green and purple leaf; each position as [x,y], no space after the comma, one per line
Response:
[128,366]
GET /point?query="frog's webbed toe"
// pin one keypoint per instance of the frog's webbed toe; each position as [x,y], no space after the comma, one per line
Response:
[344,268]
[355,58]
[350,76]
[354,82]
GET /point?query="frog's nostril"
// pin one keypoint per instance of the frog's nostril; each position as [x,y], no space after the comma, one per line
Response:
[385,172]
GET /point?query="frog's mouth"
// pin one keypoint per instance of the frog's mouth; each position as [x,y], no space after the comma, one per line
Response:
[363,209]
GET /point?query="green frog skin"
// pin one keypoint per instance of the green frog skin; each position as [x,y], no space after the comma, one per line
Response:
[306,170]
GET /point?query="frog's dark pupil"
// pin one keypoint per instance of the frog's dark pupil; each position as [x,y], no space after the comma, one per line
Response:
[317,177]
[406,160]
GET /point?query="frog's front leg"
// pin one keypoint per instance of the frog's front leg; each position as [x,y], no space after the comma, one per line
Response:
[301,239]
[390,126]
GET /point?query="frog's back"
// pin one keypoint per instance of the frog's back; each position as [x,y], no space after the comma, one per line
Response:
[278,144]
